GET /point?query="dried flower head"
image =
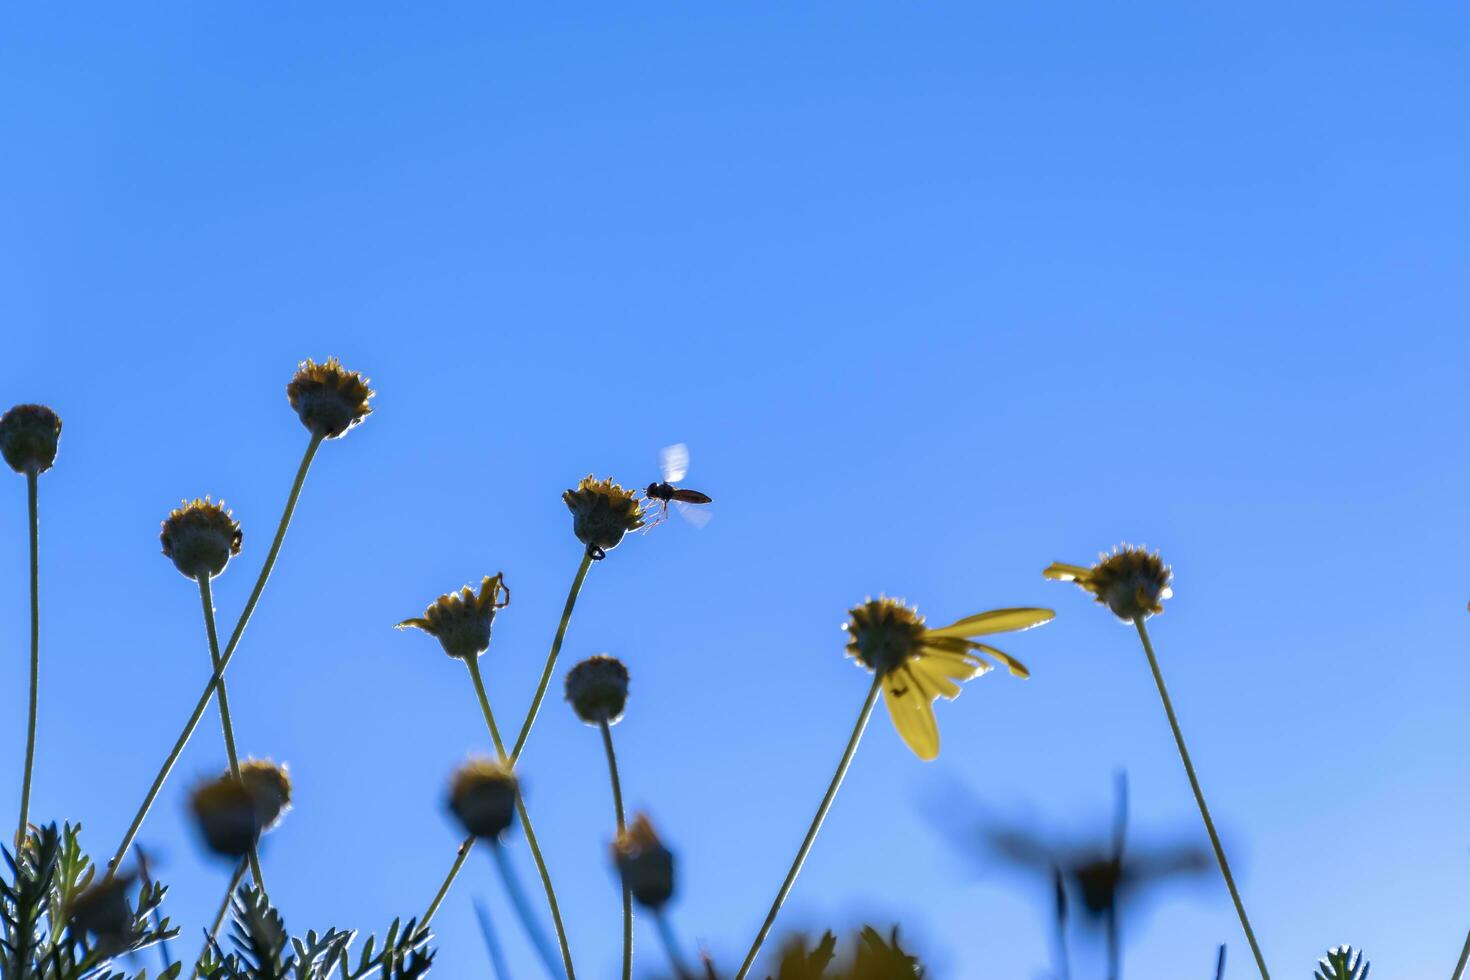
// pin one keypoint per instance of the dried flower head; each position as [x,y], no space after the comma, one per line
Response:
[482,796]
[103,910]
[328,398]
[227,816]
[602,512]
[461,620]
[28,437]
[270,787]
[1130,581]
[598,689]
[201,537]
[646,866]
[918,665]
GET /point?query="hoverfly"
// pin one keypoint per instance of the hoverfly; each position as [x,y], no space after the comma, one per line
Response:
[673,462]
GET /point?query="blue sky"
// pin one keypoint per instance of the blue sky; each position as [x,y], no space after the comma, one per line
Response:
[936,294]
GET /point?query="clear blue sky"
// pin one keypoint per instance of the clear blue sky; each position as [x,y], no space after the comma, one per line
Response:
[937,294]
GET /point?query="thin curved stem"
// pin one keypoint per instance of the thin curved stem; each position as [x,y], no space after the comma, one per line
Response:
[224,716]
[208,695]
[517,897]
[671,945]
[1464,958]
[561,632]
[464,852]
[25,784]
[561,932]
[811,833]
[219,917]
[617,793]
[492,944]
[1199,796]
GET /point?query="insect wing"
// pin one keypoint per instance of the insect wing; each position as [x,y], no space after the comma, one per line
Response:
[673,461]
[698,516]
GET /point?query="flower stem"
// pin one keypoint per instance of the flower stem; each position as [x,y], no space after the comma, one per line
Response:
[219,917]
[671,945]
[523,908]
[25,785]
[1464,958]
[492,944]
[218,675]
[561,632]
[464,852]
[811,834]
[617,792]
[1199,797]
[561,932]
[224,716]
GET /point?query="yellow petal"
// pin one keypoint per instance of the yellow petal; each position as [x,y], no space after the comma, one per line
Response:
[1062,572]
[418,624]
[912,713]
[960,666]
[995,621]
[1015,666]
[935,674]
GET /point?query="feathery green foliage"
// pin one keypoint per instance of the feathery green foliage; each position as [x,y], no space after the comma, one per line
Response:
[1342,963]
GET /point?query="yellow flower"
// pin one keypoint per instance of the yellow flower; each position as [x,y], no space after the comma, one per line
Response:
[270,786]
[482,796]
[200,537]
[918,664]
[644,863]
[602,512]
[1130,581]
[461,620]
[328,398]
[28,436]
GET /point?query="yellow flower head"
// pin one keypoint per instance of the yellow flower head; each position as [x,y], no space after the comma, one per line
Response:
[201,537]
[28,437]
[645,864]
[918,665]
[270,786]
[328,398]
[482,796]
[461,620]
[227,816]
[1130,581]
[602,512]
[598,689]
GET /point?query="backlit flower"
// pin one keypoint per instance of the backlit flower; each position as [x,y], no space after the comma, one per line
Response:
[270,786]
[645,864]
[1130,581]
[227,817]
[328,398]
[28,437]
[598,689]
[602,512]
[919,665]
[461,620]
[201,537]
[482,796]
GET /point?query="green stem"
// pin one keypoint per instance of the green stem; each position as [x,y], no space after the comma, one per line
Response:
[561,632]
[25,785]
[617,792]
[1199,797]
[464,852]
[561,932]
[671,945]
[219,917]
[224,715]
[811,833]
[1464,958]
[517,897]
[208,695]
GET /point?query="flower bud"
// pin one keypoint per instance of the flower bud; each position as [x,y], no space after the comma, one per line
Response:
[598,689]
[461,620]
[28,436]
[482,796]
[602,512]
[227,816]
[201,538]
[646,866]
[328,398]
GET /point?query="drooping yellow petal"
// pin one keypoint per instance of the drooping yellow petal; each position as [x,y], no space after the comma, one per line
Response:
[1062,572]
[912,713]
[960,665]
[935,674]
[995,621]
[1015,666]
[415,623]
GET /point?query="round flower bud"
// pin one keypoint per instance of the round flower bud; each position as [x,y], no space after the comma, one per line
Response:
[602,512]
[883,633]
[201,538]
[461,620]
[328,398]
[598,688]
[227,816]
[103,910]
[482,796]
[270,787]
[645,865]
[28,435]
